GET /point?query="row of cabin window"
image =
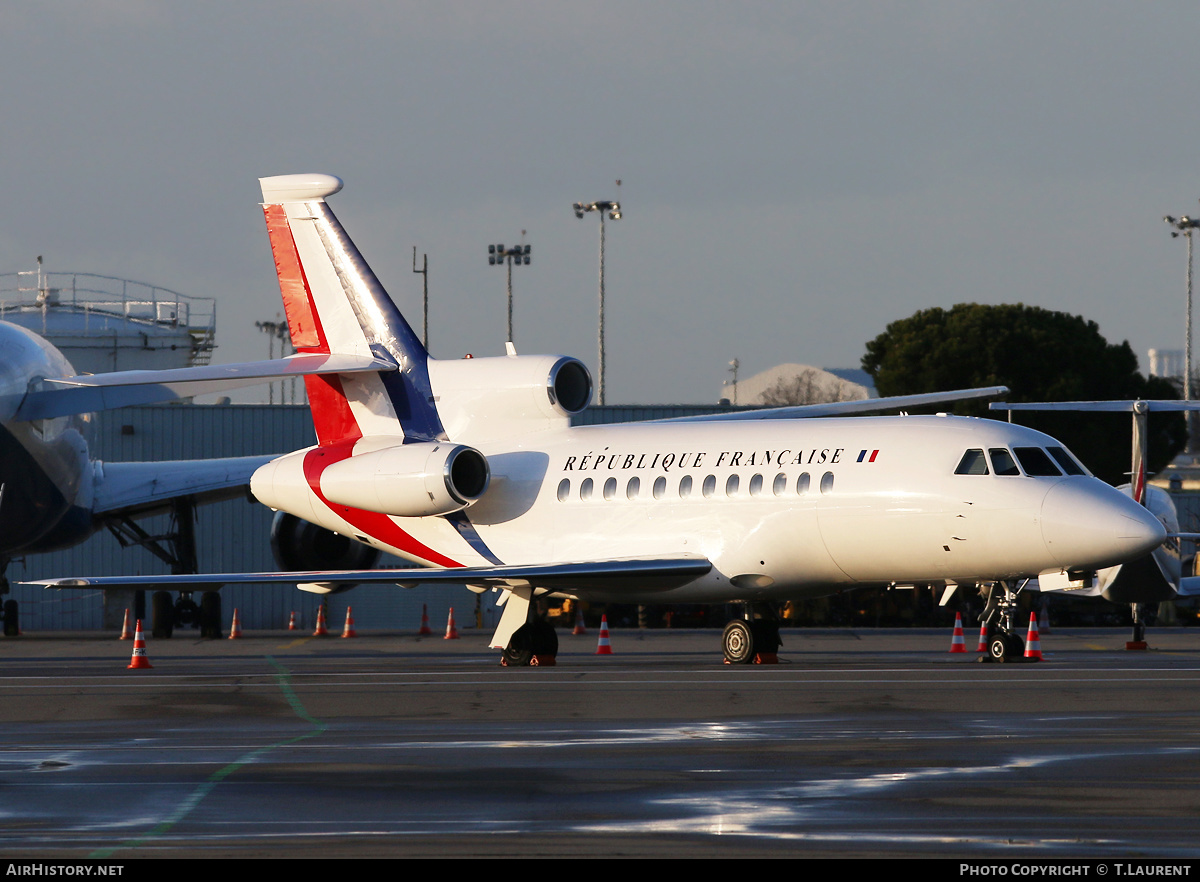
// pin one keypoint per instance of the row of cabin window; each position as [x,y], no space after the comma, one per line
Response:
[633,488]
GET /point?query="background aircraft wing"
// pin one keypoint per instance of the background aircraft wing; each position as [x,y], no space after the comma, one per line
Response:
[662,573]
[844,408]
[143,488]
[1119,406]
[91,393]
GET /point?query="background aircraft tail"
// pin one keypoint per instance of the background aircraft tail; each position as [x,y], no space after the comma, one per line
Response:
[335,304]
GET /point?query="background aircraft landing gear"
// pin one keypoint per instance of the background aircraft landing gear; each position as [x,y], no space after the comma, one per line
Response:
[12,624]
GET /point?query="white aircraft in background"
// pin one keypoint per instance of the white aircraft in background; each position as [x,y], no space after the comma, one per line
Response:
[53,495]
[1151,578]
[471,469]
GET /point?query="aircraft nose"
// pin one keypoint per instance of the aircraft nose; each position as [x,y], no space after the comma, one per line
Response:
[1087,524]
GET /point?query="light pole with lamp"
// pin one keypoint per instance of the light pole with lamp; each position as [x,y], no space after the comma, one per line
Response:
[498,255]
[1184,226]
[613,209]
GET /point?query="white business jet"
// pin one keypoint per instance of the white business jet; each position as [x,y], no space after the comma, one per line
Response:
[471,469]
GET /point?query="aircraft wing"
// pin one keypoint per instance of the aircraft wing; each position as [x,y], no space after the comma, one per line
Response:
[142,488]
[844,408]
[90,393]
[661,573]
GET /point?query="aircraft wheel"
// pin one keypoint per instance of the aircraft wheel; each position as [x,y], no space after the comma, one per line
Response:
[12,621]
[210,614]
[519,652]
[163,623]
[1005,647]
[738,642]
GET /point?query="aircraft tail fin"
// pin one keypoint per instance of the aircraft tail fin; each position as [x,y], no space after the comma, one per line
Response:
[335,304]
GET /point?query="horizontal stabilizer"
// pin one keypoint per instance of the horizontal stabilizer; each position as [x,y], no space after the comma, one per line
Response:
[139,488]
[608,575]
[845,408]
[88,394]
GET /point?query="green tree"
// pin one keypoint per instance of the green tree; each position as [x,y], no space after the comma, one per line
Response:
[1041,355]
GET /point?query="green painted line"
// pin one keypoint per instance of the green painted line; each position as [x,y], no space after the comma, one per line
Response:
[185,808]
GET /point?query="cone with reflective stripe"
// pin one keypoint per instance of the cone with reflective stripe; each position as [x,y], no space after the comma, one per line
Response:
[983,641]
[126,634]
[451,631]
[292,621]
[959,642]
[1033,648]
[1044,619]
[425,629]
[579,628]
[235,629]
[320,631]
[348,628]
[139,659]
[604,647]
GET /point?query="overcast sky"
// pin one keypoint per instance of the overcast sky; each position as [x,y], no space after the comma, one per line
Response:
[794,175]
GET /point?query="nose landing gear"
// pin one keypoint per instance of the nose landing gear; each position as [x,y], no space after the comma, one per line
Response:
[1005,644]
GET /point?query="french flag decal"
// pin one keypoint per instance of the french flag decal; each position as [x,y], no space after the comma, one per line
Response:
[863,455]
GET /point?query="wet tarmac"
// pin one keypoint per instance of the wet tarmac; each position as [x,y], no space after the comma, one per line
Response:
[859,743]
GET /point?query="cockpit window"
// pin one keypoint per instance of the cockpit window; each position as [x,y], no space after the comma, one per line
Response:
[1036,462]
[1002,461]
[1068,463]
[973,462]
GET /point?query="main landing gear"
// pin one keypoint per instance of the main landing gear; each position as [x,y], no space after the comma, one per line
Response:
[1005,644]
[754,638]
[523,635]
[536,639]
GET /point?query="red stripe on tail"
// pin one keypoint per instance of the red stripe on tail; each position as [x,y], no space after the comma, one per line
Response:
[297,302]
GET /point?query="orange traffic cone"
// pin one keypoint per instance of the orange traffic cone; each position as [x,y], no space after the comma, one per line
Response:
[126,634]
[235,629]
[425,629]
[451,631]
[959,643]
[983,641]
[603,647]
[320,631]
[292,621]
[1044,619]
[579,628]
[348,628]
[1033,648]
[139,659]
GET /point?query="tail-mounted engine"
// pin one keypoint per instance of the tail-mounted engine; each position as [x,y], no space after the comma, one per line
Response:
[410,481]
[381,475]
[481,399]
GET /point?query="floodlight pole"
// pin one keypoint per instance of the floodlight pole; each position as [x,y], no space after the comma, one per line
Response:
[614,211]
[424,271]
[1185,226]
[497,255]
